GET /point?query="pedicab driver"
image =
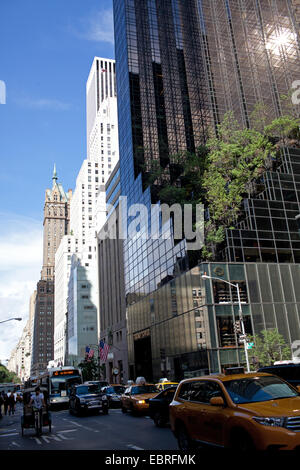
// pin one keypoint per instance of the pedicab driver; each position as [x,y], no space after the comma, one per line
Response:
[37,399]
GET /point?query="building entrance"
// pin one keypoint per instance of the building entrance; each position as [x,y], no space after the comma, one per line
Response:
[143,358]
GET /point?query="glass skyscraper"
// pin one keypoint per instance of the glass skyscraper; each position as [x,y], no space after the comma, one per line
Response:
[180,66]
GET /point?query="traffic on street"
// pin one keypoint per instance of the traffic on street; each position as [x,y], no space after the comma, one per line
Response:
[87,432]
[233,410]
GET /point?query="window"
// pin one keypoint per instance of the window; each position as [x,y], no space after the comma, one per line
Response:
[226,331]
[184,391]
[201,391]
[221,292]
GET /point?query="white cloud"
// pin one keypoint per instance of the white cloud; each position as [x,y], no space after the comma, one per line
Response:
[21,241]
[98,27]
[43,103]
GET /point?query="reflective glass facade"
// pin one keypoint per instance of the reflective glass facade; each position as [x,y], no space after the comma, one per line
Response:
[187,326]
[268,231]
[180,66]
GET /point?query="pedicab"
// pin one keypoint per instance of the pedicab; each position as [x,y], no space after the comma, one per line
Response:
[33,417]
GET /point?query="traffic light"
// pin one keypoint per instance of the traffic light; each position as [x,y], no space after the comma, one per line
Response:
[237,327]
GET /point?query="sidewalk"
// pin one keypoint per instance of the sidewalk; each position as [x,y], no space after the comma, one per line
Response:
[6,422]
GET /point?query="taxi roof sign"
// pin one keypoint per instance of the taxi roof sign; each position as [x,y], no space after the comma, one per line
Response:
[234,370]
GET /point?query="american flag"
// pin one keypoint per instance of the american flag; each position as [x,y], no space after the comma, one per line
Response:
[104,348]
[91,353]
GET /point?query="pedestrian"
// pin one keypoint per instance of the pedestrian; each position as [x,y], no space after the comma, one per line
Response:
[15,399]
[11,403]
[1,403]
[5,399]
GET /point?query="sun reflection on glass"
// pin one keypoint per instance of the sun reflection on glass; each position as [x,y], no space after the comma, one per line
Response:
[278,40]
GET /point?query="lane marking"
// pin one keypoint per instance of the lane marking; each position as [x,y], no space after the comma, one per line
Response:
[65,438]
[81,426]
[37,440]
[10,434]
[15,444]
[74,422]
[134,447]
[46,439]
[70,430]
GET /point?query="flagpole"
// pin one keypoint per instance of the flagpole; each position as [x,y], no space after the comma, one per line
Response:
[99,373]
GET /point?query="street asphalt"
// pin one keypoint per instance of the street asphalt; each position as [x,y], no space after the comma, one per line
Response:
[115,431]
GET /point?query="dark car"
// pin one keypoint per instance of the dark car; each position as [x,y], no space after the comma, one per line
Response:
[114,393]
[159,406]
[101,383]
[87,397]
[288,372]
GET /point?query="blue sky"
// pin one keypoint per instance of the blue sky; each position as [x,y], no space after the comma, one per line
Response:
[47,48]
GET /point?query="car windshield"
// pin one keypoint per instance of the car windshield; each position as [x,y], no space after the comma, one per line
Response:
[115,389]
[85,389]
[258,389]
[143,389]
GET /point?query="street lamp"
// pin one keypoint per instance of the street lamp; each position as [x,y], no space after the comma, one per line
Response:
[9,319]
[244,339]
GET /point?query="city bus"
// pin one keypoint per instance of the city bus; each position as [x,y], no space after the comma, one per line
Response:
[33,381]
[58,381]
[5,387]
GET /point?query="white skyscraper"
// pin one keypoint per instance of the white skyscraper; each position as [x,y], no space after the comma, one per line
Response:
[101,114]
[87,209]
[102,150]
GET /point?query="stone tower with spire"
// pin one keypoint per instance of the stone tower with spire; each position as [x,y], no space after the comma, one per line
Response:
[56,223]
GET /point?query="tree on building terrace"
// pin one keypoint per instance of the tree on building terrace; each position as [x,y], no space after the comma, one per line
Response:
[226,170]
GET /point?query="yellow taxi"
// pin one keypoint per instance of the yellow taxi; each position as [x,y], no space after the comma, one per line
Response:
[136,397]
[236,410]
[163,385]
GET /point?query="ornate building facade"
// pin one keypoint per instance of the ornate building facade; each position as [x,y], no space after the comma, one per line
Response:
[56,225]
